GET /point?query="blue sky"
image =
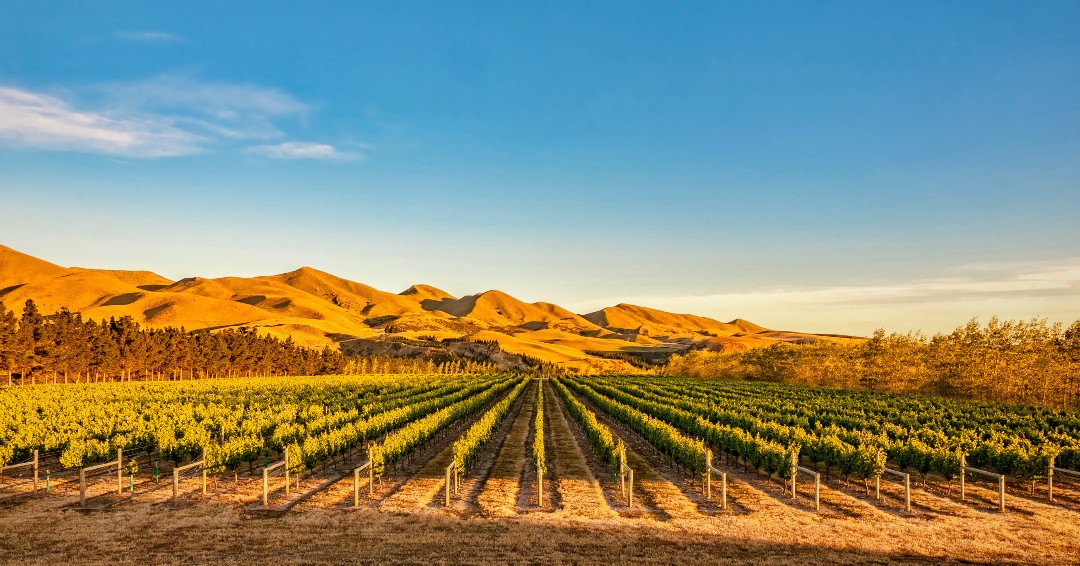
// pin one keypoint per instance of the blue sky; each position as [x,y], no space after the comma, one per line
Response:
[815,166]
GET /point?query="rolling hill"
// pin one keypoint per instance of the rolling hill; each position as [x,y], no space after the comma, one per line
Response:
[316,308]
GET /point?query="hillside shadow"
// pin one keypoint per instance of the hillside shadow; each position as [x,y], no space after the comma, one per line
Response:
[122,300]
[380,320]
[436,304]
[154,311]
[7,290]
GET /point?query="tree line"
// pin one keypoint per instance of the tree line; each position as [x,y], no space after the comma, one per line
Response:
[63,347]
[1030,362]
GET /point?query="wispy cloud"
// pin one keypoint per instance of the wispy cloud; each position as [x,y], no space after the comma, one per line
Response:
[1038,289]
[167,115]
[149,36]
[304,150]
[37,120]
[238,111]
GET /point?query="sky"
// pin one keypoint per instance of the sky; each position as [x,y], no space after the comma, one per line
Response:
[815,166]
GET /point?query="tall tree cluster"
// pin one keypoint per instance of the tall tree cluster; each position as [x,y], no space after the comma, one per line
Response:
[37,348]
[62,347]
[1028,362]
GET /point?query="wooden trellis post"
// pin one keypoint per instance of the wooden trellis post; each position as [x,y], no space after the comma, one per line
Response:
[356,488]
[907,493]
[451,469]
[1050,478]
[626,478]
[184,468]
[370,465]
[963,468]
[1050,483]
[32,464]
[266,477]
[709,469]
[119,475]
[817,492]
[794,470]
[1001,493]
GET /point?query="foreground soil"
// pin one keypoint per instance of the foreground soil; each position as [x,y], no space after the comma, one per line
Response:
[38,532]
[49,530]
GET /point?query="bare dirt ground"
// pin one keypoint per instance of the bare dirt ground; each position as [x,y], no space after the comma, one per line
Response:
[474,482]
[501,490]
[584,521]
[577,490]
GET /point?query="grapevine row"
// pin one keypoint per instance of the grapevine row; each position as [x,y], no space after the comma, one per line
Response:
[469,445]
[402,441]
[316,447]
[931,442]
[538,427]
[862,461]
[683,450]
[870,437]
[606,444]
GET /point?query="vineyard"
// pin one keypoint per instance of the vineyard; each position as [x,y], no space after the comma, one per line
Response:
[629,448]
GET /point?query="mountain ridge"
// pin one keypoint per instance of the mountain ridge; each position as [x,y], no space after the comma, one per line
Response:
[316,308]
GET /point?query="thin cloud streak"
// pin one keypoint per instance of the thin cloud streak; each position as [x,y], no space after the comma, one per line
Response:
[149,36]
[29,119]
[304,150]
[237,111]
[165,116]
[182,91]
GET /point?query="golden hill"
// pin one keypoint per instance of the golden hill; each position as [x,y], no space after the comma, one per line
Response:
[18,268]
[145,280]
[426,293]
[316,308]
[498,309]
[651,322]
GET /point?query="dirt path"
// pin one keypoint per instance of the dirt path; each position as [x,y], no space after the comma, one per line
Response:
[662,496]
[470,483]
[498,494]
[413,483]
[577,493]
[527,495]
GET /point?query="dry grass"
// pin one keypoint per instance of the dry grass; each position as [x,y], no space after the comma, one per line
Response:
[40,532]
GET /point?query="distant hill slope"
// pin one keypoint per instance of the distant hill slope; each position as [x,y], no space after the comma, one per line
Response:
[316,308]
[651,322]
[497,309]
